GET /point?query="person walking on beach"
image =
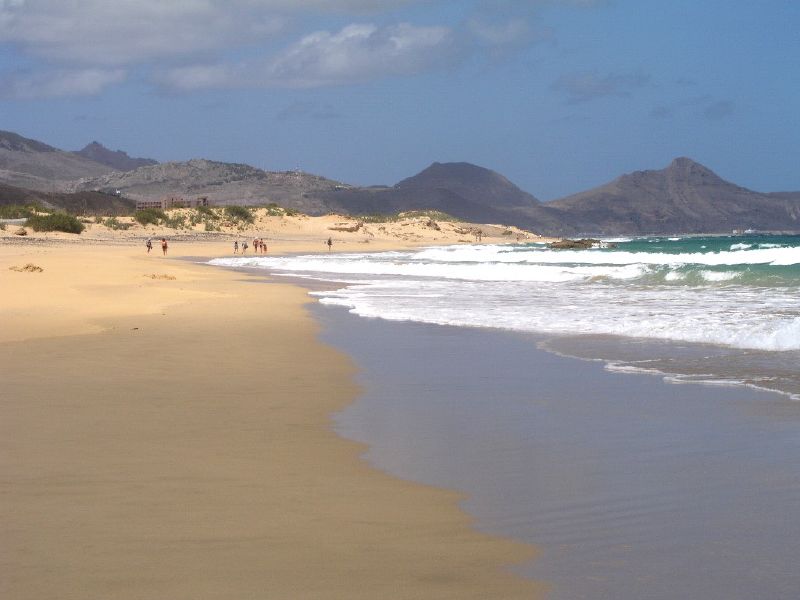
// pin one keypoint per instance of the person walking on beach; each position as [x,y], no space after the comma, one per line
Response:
[236,247]
[263,246]
[330,243]
[149,245]
[164,246]
[244,247]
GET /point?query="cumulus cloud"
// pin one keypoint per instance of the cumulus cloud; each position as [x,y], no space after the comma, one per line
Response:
[72,82]
[355,53]
[360,52]
[588,86]
[123,32]
[189,43]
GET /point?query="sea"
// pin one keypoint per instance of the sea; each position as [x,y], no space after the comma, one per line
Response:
[722,309]
[630,410]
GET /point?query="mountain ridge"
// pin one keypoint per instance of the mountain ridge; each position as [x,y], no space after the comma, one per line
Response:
[683,197]
[116,159]
[31,164]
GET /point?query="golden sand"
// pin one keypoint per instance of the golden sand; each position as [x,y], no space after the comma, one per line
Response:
[165,431]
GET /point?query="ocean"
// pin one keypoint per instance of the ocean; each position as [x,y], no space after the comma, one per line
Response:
[722,309]
[540,384]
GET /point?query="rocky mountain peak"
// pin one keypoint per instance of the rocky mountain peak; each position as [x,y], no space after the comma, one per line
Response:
[116,159]
[16,143]
[469,181]
[691,172]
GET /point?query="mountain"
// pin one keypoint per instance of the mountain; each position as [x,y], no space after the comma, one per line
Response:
[116,159]
[90,203]
[461,189]
[222,183]
[31,164]
[685,197]
[473,183]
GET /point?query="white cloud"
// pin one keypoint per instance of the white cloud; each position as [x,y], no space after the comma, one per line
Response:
[122,32]
[356,53]
[360,52]
[79,82]
[187,43]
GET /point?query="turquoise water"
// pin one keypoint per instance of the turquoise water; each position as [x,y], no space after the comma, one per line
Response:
[750,272]
[722,309]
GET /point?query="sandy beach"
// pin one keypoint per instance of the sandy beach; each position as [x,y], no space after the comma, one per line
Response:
[166,433]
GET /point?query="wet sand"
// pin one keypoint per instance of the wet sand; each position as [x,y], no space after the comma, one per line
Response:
[166,433]
[633,488]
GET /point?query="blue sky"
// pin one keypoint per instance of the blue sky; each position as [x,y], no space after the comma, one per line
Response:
[557,95]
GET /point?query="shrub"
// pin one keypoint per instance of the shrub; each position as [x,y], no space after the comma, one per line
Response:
[55,222]
[239,213]
[16,211]
[176,221]
[116,224]
[207,211]
[148,216]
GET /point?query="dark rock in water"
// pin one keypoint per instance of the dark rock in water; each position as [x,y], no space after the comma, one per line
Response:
[581,244]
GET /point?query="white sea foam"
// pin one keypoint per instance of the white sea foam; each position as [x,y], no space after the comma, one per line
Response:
[571,292]
[501,254]
[718,275]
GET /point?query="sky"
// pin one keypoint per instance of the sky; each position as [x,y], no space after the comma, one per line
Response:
[557,95]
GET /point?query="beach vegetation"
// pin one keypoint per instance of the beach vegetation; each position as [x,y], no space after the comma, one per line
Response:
[175,220]
[211,226]
[2,226]
[239,214]
[435,215]
[275,210]
[115,224]
[55,222]
[150,216]
[18,211]
[375,218]
[207,211]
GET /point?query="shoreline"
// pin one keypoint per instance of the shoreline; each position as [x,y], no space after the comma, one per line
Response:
[167,432]
[629,486]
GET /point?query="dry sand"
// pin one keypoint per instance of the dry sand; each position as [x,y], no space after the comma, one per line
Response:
[166,433]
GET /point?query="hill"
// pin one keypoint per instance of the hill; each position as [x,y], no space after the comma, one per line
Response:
[116,159]
[37,166]
[461,189]
[685,197]
[91,203]
[222,183]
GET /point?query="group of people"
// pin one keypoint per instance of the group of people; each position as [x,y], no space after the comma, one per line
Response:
[259,245]
[164,245]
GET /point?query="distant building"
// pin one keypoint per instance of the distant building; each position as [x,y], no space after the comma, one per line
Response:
[168,202]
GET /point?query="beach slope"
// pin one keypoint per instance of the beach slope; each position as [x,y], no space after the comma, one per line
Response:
[165,432]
